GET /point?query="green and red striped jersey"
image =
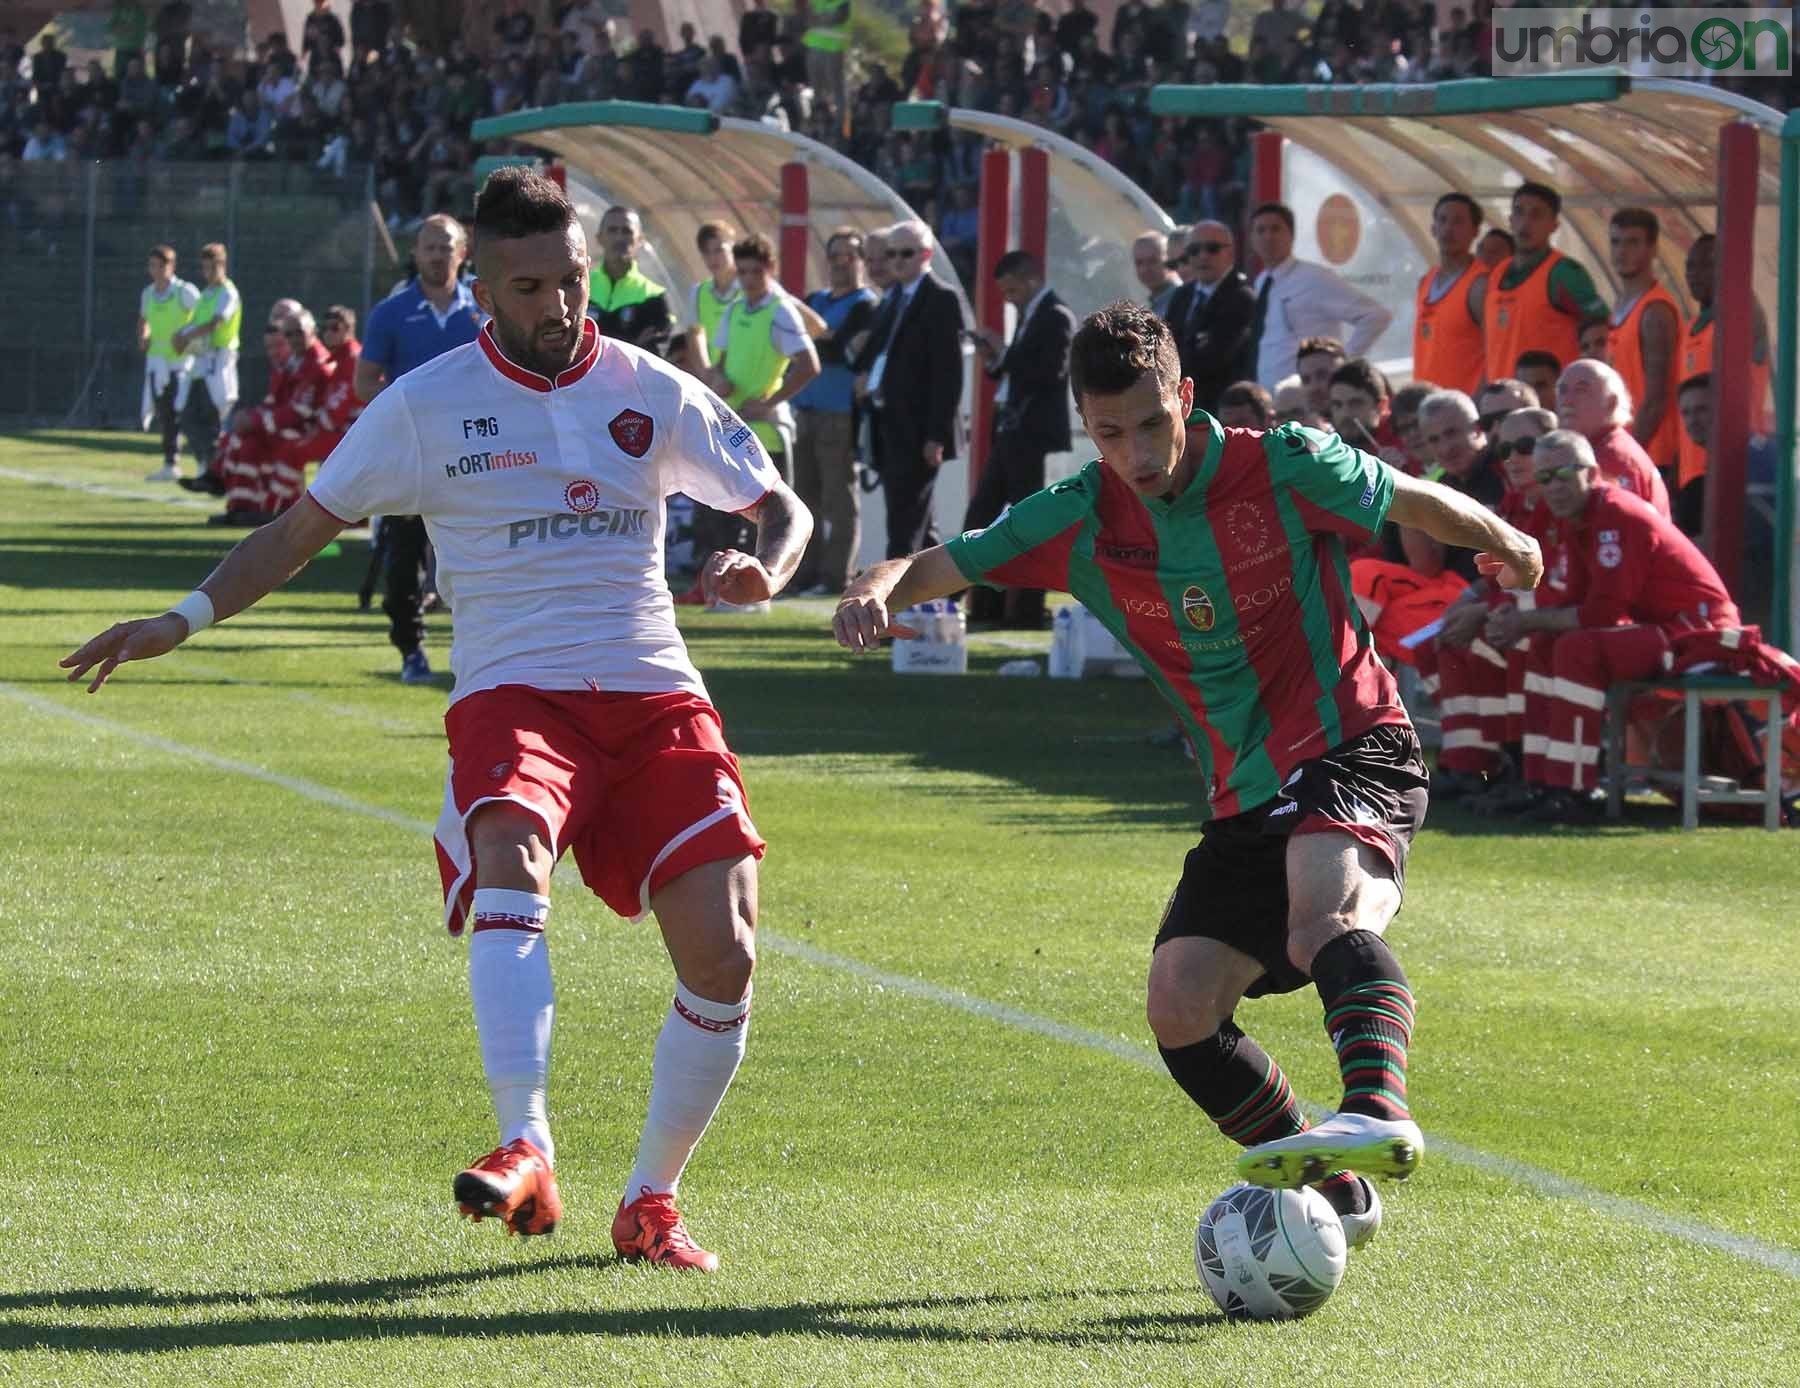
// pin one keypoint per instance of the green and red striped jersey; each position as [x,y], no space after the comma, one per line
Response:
[1234,596]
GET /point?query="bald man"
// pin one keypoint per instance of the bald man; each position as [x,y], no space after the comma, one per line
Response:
[1214,336]
[1593,400]
[623,301]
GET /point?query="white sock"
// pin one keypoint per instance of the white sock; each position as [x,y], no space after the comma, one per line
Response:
[509,981]
[696,1056]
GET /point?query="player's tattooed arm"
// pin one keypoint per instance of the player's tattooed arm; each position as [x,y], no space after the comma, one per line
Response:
[783,526]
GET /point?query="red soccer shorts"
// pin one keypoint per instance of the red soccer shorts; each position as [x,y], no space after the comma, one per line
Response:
[641,786]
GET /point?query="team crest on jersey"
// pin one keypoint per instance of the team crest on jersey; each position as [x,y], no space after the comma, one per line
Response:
[1197,607]
[1610,556]
[632,432]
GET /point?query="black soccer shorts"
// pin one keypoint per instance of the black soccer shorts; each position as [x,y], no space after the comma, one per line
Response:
[1233,885]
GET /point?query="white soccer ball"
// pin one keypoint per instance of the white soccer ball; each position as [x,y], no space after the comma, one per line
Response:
[1270,1254]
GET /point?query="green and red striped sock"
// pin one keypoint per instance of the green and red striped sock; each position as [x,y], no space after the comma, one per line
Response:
[1238,1084]
[1369,1017]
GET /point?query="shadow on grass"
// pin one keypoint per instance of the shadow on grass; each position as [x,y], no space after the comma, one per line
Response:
[66,559]
[848,1320]
[115,444]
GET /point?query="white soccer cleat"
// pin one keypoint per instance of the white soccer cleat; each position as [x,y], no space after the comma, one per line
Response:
[168,472]
[1370,1146]
[1360,1229]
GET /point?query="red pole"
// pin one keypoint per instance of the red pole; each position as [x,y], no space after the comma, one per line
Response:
[1034,204]
[1265,183]
[1733,307]
[796,226]
[990,309]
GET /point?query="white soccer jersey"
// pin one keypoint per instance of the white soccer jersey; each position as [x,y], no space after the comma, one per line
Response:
[545,501]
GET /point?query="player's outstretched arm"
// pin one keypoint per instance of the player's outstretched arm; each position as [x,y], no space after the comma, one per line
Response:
[256,566]
[865,613]
[783,526]
[1505,554]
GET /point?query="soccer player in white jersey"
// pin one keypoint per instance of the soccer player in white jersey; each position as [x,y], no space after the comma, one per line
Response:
[540,456]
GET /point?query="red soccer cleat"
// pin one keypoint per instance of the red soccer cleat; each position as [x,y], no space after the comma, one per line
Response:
[514,1184]
[650,1228]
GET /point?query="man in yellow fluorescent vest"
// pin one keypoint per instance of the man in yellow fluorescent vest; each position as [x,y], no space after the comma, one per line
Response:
[163,310]
[826,38]
[763,356]
[765,353]
[714,295]
[623,301]
[212,336]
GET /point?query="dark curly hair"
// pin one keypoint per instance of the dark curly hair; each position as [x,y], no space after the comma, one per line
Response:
[517,201]
[1115,347]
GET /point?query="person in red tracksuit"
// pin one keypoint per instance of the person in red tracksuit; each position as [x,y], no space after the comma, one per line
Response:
[1637,591]
[338,407]
[1476,682]
[1592,399]
[243,462]
[244,417]
[281,461]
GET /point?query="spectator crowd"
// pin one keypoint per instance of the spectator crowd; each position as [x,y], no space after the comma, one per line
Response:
[377,95]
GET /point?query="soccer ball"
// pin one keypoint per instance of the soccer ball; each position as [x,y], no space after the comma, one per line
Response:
[1270,1254]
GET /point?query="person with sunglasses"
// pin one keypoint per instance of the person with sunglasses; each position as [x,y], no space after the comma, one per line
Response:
[337,405]
[1212,329]
[1641,600]
[911,375]
[1478,676]
[242,439]
[265,478]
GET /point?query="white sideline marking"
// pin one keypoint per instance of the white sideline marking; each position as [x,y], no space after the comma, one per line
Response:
[347,712]
[309,789]
[1776,1259]
[70,484]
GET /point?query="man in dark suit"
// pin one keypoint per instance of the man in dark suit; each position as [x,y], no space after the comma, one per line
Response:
[1031,418]
[911,373]
[1215,334]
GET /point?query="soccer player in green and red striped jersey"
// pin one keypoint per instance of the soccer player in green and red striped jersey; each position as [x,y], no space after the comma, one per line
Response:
[1216,556]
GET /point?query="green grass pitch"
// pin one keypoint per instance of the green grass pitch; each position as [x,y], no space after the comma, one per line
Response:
[239,1066]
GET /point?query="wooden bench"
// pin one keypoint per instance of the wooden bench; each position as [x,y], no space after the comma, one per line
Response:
[1695,790]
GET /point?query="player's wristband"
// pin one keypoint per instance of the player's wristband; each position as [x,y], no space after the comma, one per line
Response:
[197,610]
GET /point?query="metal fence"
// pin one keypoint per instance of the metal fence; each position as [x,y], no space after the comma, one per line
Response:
[73,241]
